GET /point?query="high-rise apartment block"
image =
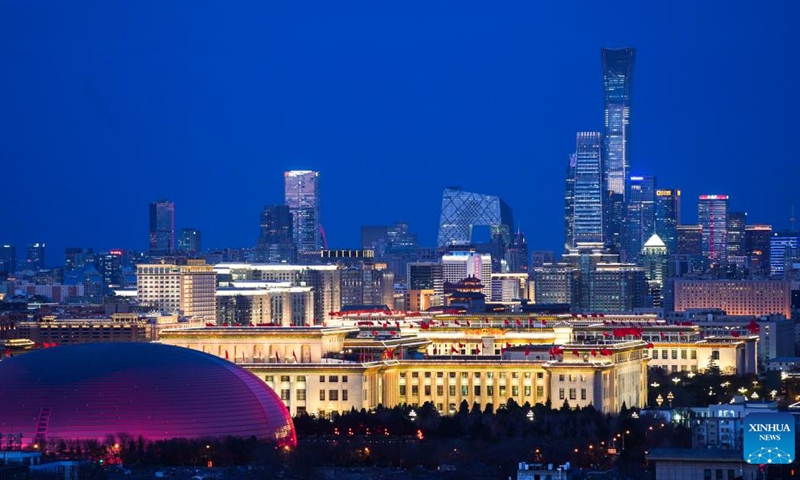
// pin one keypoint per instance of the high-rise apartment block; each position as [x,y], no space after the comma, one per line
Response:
[188,289]
[301,195]
[162,228]
[712,215]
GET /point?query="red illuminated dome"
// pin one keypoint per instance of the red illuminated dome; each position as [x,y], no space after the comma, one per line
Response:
[93,390]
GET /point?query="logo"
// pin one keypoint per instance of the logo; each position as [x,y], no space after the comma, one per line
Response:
[769,438]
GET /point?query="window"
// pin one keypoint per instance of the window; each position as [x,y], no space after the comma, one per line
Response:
[515,391]
[333,395]
[489,390]
[322,379]
[477,374]
[561,394]
[344,378]
[583,394]
[489,374]
[427,390]
[439,390]
[572,395]
[284,378]
[322,395]
[333,378]
[427,374]
[402,390]
[503,391]
[439,374]
[464,391]
[464,375]
[539,391]
[301,394]
[414,374]
[451,390]
[674,354]
[514,374]
[477,390]
[402,374]
[694,355]
[707,474]
[269,378]
[683,354]
[539,375]
[301,378]
[571,377]
[526,375]
[526,390]
[560,377]
[285,394]
[452,374]
[344,395]
[414,390]
[664,354]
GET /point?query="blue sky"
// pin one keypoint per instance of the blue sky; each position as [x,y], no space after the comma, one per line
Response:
[108,105]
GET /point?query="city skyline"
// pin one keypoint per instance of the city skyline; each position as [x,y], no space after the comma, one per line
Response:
[476,87]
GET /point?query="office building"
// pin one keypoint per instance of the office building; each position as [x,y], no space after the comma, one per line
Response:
[109,266]
[276,241]
[162,228]
[737,223]
[255,303]
[569,203]
[367,284]
[189,241]
[462,211]
[639,225]
[757,248]
[712,216]
[655,261]
[588,194]
[617,88]
[302,196]
[668,217]
[735,297]
[8,258]
[456,266]
[325,280]
[75,258]
[782,248]
[35,257]
[517,254]
[187,289]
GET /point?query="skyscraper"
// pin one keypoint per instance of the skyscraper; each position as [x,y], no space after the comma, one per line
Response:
[301,195]
[588,194]
[668,217]
[276,242]
[35,257]
[712,215]
[737,221]
[189,241]
[757,248]
[162,227]
[569,203]
[782,247]
[641,215]
[617,79]
[8,258]
[461,211]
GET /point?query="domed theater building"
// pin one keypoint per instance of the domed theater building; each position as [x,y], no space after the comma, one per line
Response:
[89,391]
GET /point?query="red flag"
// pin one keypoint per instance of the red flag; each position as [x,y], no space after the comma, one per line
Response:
[424,325]
[453,349]
[527,351]
[530,322]
[594,353]
[374,333]
[392,332]
[508,345]
[468,324]
[478,349]
[544,322]
[519,323]
[460,345]
[458,323]
[277,358]
[735,334]
[506,322]
[650,345]
[662,334]
[575,352]
[226,355]
[294,355]
[8,352]
[397,324]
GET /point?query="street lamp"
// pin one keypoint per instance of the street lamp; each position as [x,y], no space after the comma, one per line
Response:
[659,400]
[676,380]
[655,384]
[670,397]
[529,415]
[412,415]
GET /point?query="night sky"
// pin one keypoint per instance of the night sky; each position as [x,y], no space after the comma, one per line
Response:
[108,105]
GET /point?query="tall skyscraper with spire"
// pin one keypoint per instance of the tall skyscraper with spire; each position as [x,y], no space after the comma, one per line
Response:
[162,227]
[587,217]
[569,203]
[301,195]
[617,78]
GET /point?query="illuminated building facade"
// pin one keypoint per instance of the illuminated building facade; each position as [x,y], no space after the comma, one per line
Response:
[782,247]
[162,227]
[736,297]
[8,258]
[457,266]
[260,303]
[35,257]
[757,248]
[668,217]
[640,219]
[588,195]
[461,211]
[301,195]
[712,216]
[190,241]
[276,242]
[189,289]
[325,280]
